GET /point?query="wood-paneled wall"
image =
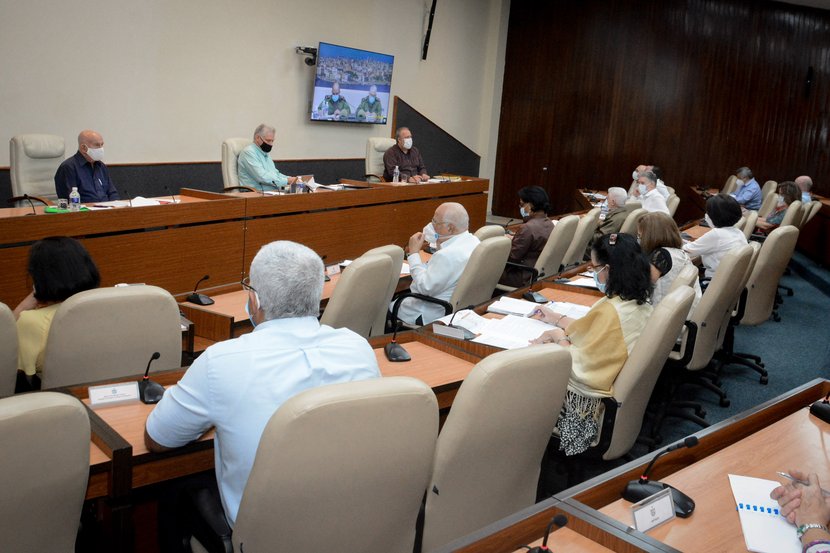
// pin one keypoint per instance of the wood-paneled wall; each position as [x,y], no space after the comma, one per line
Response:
[699,87]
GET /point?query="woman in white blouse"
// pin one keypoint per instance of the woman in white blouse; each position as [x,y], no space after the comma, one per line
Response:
[722,212]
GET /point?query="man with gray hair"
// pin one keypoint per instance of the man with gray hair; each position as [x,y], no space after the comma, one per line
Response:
[805,184]
[652,199]
[439,276]
[617,212]
[406,158]
[255,166]
[235,386]
[748,193]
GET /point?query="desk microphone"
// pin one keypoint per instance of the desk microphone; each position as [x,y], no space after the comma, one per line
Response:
[200,299]
[821,409]
[129,199]
[637,490]
[173,197]
[558,520]
[467,334]
[393,350]
[148,391]
[28,199]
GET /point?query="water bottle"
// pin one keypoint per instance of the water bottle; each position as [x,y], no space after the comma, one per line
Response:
[74,200]
[396,175]
[300,185]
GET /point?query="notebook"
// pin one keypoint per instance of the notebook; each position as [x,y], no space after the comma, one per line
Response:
[764,529]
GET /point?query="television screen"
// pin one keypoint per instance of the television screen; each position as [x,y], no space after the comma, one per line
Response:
[351,85]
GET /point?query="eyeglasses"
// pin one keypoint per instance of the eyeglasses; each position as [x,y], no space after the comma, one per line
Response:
[434,222]
[246,284]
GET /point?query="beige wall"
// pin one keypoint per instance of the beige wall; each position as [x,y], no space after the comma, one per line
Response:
[167,81]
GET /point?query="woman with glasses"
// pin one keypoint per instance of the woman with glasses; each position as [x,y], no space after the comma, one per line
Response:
[530,238]
[601,340]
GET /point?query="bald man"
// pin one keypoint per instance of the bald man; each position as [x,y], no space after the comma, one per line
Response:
[438,277]
[805,184]
[370,107]
[86,171]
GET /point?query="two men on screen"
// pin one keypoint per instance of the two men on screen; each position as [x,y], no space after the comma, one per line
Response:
[255,166]
[406,158]
[86,171]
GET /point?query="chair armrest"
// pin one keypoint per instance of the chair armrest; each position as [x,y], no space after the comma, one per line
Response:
[239,189]
[379,178]
[534,273]
[689,347]
[37,199]
[445,304]
[204,519]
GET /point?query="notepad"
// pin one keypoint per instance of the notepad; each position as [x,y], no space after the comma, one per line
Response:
[764,529]
[512,306]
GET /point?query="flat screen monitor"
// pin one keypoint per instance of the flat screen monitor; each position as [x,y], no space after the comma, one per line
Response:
[351,85]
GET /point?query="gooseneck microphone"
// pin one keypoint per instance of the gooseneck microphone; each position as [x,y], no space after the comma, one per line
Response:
[148,391]
[172,196]
[637,490]
[467,334]
[31,204]
[821,408]
[558,520]
[200,299]
[129,198]
[393,350]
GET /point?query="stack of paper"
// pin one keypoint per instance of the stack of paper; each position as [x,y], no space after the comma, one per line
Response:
[584,282]
[765,530]
[512,306]
[512,332]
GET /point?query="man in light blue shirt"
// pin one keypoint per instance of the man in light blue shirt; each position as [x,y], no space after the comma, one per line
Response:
[256,168]
[805,183]
[237,385]
[748,193]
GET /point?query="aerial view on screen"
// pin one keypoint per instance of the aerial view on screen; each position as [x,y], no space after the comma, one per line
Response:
[351,85]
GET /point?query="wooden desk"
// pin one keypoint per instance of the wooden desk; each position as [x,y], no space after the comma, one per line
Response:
[777,435]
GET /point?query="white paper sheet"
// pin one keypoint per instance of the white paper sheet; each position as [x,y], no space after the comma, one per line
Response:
[765,530]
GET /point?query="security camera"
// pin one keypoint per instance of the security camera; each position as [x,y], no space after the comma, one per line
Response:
[310,53]
[311,61]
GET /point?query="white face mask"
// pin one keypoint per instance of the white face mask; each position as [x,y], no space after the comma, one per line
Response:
[739,183]
[407,143]
[709,221]
[642,188]
[430,234]
[781,202]
[97,154]
[634,175]
[524,212]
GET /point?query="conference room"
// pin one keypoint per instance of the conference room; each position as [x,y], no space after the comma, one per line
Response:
[174,83]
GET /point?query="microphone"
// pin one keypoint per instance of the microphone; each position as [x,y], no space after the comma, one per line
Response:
[467,334]
[28,199]
[148,391]
[129,199]
[558,520]
[393,350]
[166,189]
[821,408]
[200,299]
[637,490]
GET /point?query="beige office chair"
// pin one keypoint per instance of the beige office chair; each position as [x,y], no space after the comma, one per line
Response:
[748,223]
[34,160]
[396,254]
[672,203]
[489,231]
[489,451]
[767,204]
[376,146]
[686,277]
[629,226]
[582,237]
[111,333]
[730,184]
[8,351]
[769,188]
[43,471]
[809,211]
[341,468]
[360,294]
[231,148]
[482,273]
[793,215]
[671,190]
[623,413]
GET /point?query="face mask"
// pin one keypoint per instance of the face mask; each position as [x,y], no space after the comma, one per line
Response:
[335,97]
[739,183]
[97,154]
[781,202]
[407,143]
[371,100]
[266,147]
[600,285]
[709,221]
[634,175]
[603,208]
[524,212]
[642,188]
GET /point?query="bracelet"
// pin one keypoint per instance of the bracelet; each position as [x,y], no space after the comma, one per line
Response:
[556,324]
[814,546]
[563,338]
[801,530]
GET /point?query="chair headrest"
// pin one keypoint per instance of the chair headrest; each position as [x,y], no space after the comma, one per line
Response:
[41,146]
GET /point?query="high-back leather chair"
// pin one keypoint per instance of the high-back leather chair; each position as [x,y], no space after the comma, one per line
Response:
[489,231]
[687,277]
[793,215]
[482,273]
[341,468]
[582,236]
[43,471]
[672,202]
[730,185]
[762,284]
[360,294]
[231,148]
[809,211]
[8,351]
[33,161]
[489,451]
[629,226]
[110,333]
[767,204]
[749,222]
[769,187]
[395,253]
[376,146]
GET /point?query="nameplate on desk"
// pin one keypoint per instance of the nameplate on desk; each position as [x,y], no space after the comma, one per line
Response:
[448,331]
[653,511]
[332,270]
[113,394]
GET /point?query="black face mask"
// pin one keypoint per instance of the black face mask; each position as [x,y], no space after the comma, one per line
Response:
[266,147]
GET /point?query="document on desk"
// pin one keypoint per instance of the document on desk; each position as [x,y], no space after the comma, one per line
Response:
[512,306]
[405,269]
[765,530]
[584,282]
[511,332]
[469,319]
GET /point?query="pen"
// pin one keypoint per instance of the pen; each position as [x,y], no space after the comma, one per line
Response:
[802,482]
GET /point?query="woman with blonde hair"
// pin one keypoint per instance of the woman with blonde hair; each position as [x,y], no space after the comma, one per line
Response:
[661,242]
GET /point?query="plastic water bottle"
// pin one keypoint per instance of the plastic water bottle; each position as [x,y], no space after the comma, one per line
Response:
[300,185]
[396,175]
[74,200]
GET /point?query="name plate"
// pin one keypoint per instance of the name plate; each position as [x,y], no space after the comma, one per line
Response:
[113,394]
[653,511]
[332,270]
[448,331]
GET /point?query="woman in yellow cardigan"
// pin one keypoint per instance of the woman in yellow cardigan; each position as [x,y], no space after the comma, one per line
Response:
[601,340]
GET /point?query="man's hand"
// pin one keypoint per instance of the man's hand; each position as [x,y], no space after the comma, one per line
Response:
[416,242]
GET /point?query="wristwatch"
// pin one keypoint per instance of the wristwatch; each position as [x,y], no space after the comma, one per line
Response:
[801,530]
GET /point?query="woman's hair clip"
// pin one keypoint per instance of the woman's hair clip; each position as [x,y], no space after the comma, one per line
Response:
[612,239]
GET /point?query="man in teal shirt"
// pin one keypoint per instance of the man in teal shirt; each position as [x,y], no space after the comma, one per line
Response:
[256,168]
